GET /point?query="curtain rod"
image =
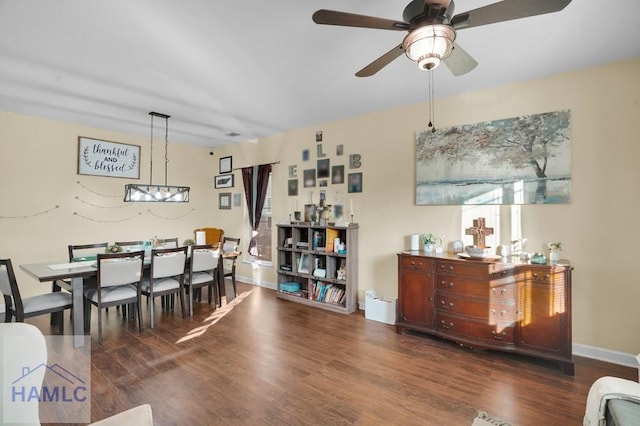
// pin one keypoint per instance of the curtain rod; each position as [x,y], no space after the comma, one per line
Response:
[263,164]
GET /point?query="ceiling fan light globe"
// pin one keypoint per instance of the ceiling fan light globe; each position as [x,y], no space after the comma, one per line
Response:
[429,45]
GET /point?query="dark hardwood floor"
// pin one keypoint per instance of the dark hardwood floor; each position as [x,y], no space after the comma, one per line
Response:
[259,360]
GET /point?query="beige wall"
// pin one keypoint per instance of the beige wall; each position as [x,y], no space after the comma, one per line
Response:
[597,228]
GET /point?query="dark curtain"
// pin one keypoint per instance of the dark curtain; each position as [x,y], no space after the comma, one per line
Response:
[256,182]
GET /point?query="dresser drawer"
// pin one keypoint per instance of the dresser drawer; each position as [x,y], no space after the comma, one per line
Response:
[415,263]
[496,290]
[501,332]
[474,268]
[490,310]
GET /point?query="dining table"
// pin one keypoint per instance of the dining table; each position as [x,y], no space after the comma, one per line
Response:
[80,269]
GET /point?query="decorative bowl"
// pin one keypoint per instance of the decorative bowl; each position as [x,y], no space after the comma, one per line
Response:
[478,251]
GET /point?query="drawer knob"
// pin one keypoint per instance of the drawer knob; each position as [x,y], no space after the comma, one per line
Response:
[445,325]
[446,305]
[498,336]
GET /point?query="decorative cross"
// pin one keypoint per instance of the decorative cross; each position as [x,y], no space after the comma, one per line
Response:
[479,232]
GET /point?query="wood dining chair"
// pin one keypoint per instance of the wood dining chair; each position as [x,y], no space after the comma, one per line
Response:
[166,277]
[203,272]
[119,282]
[230,256]
[21,308]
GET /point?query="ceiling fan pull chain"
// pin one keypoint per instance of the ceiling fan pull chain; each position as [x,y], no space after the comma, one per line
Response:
[432,106]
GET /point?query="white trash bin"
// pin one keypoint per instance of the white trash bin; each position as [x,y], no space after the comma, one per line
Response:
[379,309]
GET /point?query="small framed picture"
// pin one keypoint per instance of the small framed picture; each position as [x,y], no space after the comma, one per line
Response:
[226,165]
[224,181]
[224,201]
[292,187]
[355,182]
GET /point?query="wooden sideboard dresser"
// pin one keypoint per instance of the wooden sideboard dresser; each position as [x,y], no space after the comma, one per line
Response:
[507,306]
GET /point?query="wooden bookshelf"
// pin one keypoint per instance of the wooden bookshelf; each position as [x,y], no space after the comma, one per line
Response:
[308,259]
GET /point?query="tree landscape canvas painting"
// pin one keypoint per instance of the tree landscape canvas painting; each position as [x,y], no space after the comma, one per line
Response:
[521,160]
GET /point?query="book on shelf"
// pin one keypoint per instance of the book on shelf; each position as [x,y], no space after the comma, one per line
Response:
[332,234]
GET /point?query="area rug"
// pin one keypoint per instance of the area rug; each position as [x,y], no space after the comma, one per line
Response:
[484,419]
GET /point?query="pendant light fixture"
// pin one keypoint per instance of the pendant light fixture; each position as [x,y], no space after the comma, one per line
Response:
[153,193]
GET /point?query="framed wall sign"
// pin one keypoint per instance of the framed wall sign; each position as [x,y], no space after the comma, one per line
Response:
[226,165]
[224,201]
[105,158]
[224,181]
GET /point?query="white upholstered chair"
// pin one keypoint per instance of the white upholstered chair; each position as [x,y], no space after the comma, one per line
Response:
[119,283]
[136,416]
[166,277]
[203,272]
[28,348]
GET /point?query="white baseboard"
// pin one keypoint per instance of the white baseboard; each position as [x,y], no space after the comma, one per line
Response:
[252,281]
[606,355]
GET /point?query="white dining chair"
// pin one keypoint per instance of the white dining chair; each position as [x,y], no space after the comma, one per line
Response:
[166,277]
[203,272]
[119,283]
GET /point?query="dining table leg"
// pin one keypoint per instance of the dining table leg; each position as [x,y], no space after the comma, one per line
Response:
[78,311]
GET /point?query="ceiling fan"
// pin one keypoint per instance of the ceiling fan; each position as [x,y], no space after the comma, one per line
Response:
[432,29]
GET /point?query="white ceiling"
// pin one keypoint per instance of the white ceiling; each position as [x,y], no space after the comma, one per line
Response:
[259,67]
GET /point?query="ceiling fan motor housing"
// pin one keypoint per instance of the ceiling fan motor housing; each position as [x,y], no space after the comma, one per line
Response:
[420,12]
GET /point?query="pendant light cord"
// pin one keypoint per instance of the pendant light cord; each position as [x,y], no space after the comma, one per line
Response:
[166,148]
[151,153]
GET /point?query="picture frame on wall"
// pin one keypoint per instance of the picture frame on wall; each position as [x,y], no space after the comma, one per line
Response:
[98,157]
[355,182]
[309,177]
[226,164]
[292,187]
[224,181]
[224,201]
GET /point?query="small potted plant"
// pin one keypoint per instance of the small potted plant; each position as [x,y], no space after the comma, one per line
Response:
[114,248]
[431,241]
[555,249]
[188,242]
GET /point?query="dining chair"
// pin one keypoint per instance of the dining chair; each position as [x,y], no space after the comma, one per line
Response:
[166,277]
[230,256]
[119,282]
[168,242]
[212,235]
[203,272]
[80,252]
[21,308]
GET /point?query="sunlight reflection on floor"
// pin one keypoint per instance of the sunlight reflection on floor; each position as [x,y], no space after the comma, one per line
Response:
[216,316]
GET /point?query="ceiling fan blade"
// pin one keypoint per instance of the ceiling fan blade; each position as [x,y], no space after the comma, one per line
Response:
[506,10]
[332,17]
[460,62]
[381,62]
